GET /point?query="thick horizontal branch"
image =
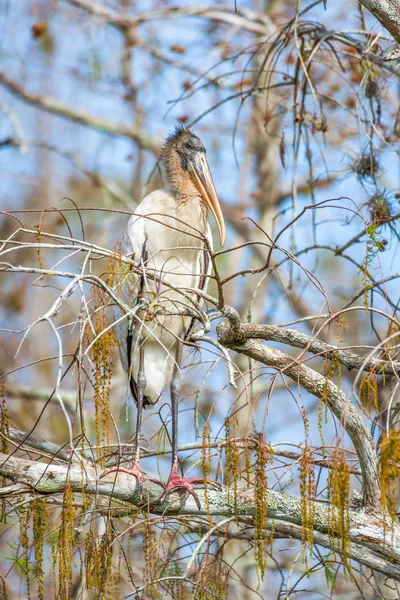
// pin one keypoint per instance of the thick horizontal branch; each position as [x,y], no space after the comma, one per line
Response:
[297,339]
[52,105]
[375,542]
[231,336]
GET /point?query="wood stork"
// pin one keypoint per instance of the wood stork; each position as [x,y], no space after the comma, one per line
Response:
[165,237]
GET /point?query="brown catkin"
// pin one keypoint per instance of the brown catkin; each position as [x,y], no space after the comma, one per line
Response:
[232,459]
[307,496]
[339,508]
[39,531]
[263,456]
[389,470]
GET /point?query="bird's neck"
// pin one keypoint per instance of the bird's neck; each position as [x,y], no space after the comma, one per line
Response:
[189,206]
[192,210]
[177,181]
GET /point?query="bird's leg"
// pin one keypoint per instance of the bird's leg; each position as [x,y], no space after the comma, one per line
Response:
[136,470]
[175,481]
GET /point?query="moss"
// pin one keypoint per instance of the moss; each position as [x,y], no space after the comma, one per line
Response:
[366,165]
[380,208]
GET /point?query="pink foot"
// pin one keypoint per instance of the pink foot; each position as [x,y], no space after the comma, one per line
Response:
[137,472]
[176,482]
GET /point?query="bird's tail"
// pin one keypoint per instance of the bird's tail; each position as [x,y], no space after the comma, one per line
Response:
[147,400]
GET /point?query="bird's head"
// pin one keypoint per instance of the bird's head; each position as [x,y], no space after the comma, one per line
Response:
[188,173]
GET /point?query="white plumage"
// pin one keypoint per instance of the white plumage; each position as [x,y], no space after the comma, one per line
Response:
[162,246]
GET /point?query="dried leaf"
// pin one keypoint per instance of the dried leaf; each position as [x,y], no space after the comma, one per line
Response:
[38,29]
[178,49]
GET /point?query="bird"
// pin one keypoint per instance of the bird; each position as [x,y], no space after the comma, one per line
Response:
[166,238]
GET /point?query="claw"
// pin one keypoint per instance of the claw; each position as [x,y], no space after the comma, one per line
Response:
[176,482]
[137,472]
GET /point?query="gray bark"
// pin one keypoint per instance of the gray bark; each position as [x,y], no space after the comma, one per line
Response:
[375,540]
[388,14]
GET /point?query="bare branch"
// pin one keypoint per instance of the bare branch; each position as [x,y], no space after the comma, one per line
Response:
[297,339]
[319,386]
[245,19]
[375,543]
[56,107]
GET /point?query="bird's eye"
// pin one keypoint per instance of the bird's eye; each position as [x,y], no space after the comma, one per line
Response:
[188,146]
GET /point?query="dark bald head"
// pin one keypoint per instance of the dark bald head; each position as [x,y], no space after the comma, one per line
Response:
[188,175]
[185,143]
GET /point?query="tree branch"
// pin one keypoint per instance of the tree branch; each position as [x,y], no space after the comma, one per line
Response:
[321,387]
[246,19]
[56,107]
[375,542]
[297,339]
[388,14]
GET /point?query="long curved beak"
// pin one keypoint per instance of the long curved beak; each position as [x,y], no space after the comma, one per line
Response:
[202,179]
